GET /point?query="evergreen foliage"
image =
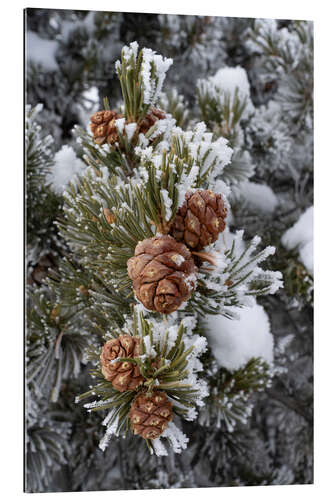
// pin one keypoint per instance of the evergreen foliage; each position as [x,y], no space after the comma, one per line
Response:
[238,105]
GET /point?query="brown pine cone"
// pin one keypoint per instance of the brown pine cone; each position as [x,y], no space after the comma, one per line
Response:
[150,119]
[125,376]
[163,273]
[103,126]
[200,219]
[150,416]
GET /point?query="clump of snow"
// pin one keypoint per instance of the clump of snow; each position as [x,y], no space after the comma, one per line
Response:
[41,51]
[66,166]
[225,84]
[230,78]
[300,236]
[120,123]
[130,129]
[258,196]
[234,342]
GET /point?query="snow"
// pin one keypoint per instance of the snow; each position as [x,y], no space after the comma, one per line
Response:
[165,127]
[177,259]
[67,165]
[159,448]
[300,237]
[211,156]
[120,123]
[41,51]
[186,183]
[110,431]
[130,129]
[234,342]
[176,437]
[152,84]
[167,202]
[241,267]
[228,79]
[220,187]
[281,39]
[226,82]
[131,51]
[92,95]
[258,196]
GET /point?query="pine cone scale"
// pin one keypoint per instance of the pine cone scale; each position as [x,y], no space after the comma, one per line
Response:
[150,119]
[160,271]
[150,415]
[103,127]
[124,375]
[200,219]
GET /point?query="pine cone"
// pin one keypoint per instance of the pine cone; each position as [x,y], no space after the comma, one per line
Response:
[103,126]
[125,376]
[200,219]
[150,416]
[150,119]
[163,273]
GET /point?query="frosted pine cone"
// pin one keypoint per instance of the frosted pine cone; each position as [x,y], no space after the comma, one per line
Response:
[125,376]
[103,127]
[150,416]
[163,273]
[200,219]
[150,119]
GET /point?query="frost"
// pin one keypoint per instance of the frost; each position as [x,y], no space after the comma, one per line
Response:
[235,342]
[167,202]
[186,184]
[237,276]
[131,51]
[110,431]
[153,71]
[190,281]
[211,157]
[220,187]
[300,237]
[159,448]
[176,437]
[189,323]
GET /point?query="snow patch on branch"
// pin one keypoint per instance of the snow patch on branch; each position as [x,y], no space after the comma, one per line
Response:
[67,165]
[300,237]
[235,342]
